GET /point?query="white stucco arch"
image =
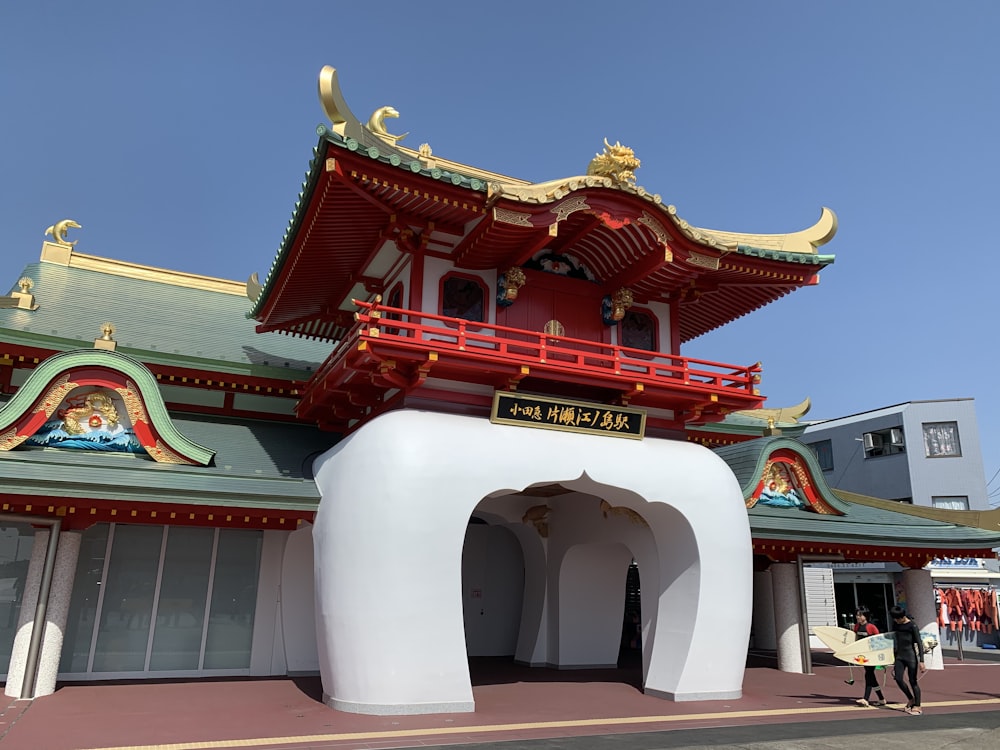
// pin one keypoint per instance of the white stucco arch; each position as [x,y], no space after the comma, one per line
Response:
[397,496]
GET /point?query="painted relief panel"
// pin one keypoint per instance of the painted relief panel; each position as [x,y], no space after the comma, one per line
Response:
[92,419]
[786,483]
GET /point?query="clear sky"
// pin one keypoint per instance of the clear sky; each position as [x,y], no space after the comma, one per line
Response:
[178,134]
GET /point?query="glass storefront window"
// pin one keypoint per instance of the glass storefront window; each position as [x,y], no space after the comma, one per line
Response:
[234,599]
[126,611]
[141,596]
[180,610]
[16,543]
[83,604]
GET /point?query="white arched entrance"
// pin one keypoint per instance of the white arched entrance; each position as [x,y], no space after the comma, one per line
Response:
[397,496]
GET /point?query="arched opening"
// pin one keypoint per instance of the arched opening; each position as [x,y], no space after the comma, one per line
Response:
[544,588]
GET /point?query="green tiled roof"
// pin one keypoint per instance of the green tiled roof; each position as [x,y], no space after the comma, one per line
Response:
[258,465]
[155,322]
[381,152]
[860,524]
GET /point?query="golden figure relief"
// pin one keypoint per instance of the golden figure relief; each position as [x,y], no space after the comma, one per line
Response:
[514,279]
[98,412]
[376,124]
[618,163]
[621,301]
[58,231]
[782,488]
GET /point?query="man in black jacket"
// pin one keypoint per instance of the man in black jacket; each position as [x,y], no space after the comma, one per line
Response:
[908,652]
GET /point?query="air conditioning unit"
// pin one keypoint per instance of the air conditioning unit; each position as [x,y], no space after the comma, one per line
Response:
[896,436]
[872,441]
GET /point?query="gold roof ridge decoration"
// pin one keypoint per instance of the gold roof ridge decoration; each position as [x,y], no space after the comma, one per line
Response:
[783,415]
[615,168]
[376,124]
[22,299]
[58,231]
[618,163]
[63,255]
[803,241]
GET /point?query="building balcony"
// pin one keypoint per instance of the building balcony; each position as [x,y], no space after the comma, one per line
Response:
[394,354]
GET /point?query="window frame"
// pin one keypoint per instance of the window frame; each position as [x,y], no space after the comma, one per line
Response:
[828,445]
[465,277]
[649,314]
[956,453]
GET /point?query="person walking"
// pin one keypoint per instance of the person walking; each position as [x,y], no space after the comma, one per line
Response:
[863,628]
[908,653]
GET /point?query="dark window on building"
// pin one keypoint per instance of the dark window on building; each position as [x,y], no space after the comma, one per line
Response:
[395,299]
[824,454]
[639,330]
[884,442]
[462,297]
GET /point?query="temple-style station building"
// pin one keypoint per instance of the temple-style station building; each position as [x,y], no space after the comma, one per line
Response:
[453,419]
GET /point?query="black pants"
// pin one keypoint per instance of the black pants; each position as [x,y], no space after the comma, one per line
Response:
[912,692]
[871,683]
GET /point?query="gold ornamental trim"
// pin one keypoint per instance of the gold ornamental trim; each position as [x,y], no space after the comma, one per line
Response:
[704,261]
[506,216]
[571,206]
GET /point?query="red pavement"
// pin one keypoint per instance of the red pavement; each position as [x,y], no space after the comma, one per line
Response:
[511,703]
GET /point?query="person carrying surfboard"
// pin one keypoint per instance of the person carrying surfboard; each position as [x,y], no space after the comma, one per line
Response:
[908,652]
[862,629]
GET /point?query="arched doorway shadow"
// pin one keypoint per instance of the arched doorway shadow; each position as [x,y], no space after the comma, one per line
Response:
[502,670]
[563,609]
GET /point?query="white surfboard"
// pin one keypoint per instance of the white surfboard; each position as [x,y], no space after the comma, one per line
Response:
[877,650]
[834,638]
[873,651]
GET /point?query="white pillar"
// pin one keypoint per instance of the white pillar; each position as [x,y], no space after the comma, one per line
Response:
[763,611]
[919,588]
[787,616]
[60,592]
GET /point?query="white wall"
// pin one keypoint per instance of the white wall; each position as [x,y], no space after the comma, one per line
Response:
[397,496]
[298,603]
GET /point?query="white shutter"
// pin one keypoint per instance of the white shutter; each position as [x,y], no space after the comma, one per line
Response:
[821,607]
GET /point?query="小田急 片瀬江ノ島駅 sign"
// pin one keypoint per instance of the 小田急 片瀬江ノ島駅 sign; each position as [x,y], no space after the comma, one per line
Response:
[570,416]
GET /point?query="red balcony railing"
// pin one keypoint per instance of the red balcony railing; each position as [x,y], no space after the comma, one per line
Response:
[400,338]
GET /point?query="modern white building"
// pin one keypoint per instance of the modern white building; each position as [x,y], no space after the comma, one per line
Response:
[920,452]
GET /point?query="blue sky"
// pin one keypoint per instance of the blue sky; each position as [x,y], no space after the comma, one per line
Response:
[178,135]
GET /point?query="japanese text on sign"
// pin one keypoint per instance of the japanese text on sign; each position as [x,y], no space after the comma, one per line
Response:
[557,414]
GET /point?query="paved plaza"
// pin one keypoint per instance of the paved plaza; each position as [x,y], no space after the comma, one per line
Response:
[540,709]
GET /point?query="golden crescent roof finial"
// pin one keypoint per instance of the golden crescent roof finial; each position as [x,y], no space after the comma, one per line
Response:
[804,241]
[343,120]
